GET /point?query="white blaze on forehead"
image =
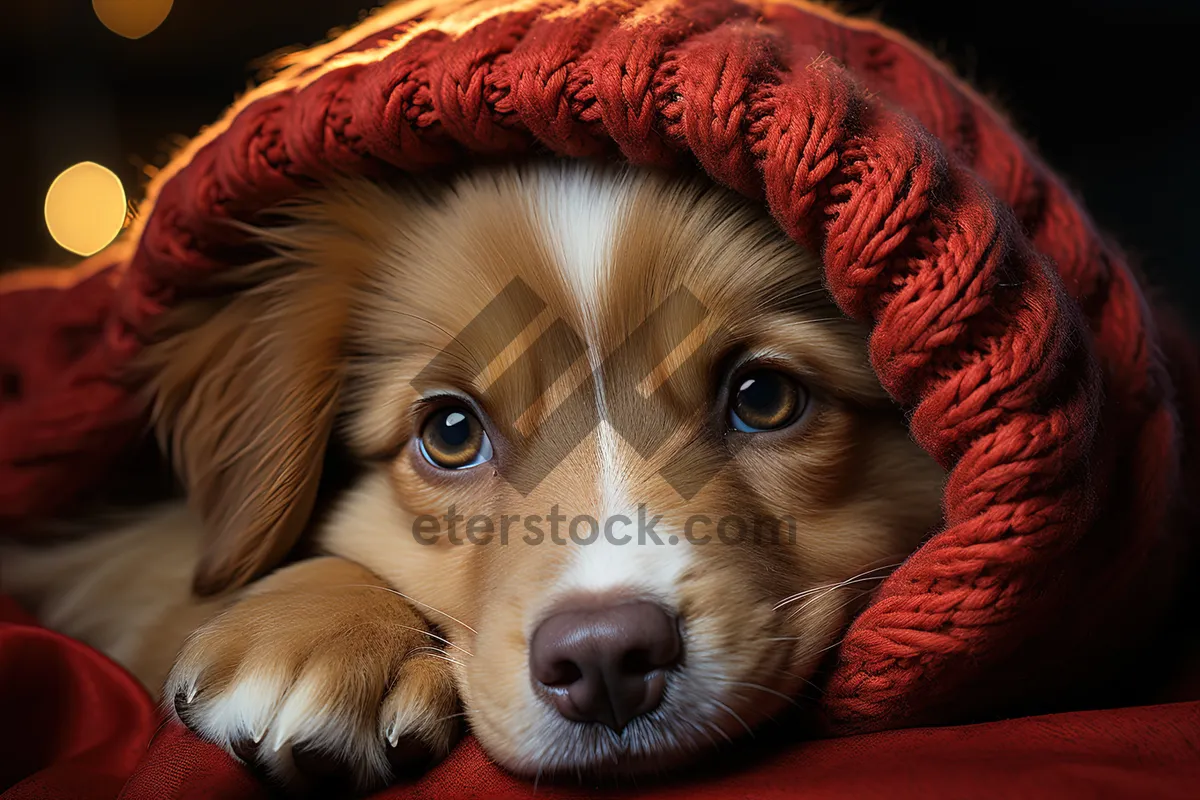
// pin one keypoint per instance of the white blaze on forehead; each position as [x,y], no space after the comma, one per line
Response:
[581,212]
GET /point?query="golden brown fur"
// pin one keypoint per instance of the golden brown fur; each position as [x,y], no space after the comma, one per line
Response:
[366,312]
[245,392]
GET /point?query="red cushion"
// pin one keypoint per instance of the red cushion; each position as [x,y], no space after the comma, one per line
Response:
[74,726]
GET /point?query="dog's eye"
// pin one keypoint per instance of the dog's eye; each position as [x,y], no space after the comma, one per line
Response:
[453,438]
[765,400]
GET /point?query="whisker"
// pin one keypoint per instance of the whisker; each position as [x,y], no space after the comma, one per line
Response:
[449,660]
[804,680]
[796,611]
[813,598]
[800,595]
[430,649]
[824,319]
[761,688]
[435,653]
[862,576]
[414,601]
[733,714]
[704,733]
[800,678]
[719,731]
[407,628]
[441,639]
[827,648]
[816,687]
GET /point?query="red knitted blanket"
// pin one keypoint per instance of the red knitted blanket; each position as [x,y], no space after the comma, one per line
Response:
[1028,355]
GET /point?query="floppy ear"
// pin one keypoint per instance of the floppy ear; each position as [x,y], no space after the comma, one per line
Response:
[244,397]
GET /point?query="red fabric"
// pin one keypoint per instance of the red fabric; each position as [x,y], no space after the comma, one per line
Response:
[72,723]
[76,727]
[1032,362]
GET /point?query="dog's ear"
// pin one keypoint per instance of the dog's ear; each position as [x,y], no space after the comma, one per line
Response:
[244,394]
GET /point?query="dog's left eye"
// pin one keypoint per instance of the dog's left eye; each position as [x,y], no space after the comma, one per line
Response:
[765,400]
[453,438]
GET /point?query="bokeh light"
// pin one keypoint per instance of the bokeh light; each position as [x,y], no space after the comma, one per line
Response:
[85,208]
[132,19]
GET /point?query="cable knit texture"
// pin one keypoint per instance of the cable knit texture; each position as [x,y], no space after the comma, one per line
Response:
[1012,332]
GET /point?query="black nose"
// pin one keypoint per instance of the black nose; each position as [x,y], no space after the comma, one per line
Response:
[606,665]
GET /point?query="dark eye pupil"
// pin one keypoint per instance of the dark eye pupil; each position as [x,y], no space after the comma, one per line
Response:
[452,438]
[760,393]
[766,400]
[454,429]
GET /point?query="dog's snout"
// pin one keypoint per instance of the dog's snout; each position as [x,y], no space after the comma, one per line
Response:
[606,665]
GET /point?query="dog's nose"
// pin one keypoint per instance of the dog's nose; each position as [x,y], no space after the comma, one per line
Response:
[606,665]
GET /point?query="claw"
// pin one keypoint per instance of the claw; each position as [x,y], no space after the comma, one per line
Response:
[182,709]
[392,734]
[245,750]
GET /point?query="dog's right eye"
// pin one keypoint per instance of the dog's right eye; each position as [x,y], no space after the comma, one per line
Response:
[453,438]
[765,400]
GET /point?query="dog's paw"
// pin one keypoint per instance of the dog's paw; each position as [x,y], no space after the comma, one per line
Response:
[318,679]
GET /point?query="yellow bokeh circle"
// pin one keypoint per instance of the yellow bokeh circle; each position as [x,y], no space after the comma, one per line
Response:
[85,208]
[132,19]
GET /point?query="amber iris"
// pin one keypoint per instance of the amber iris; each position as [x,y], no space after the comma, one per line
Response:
[765,400]
[453,438]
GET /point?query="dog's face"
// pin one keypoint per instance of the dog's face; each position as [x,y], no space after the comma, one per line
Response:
[620,447]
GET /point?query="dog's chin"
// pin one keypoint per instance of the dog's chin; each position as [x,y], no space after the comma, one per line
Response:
[597,754]
[666,741]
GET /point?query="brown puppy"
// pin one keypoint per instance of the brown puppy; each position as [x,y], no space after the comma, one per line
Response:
[627,475]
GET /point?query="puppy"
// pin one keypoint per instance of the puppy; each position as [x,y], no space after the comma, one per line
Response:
[625,476]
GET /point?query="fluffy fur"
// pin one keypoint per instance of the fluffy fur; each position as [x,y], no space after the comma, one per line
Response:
[370,310]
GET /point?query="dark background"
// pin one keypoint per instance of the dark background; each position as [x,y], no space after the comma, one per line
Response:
[1106,89]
